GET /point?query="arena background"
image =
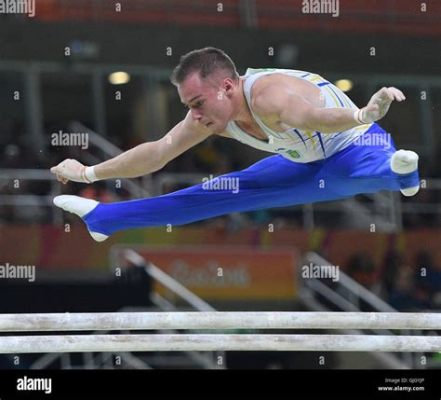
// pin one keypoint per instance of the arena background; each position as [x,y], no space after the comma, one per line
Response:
[55,80]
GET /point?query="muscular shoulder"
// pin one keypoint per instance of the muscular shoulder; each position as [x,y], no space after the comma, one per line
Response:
[270,93]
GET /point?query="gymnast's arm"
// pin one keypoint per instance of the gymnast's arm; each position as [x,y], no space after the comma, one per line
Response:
[140,160]
[293,110]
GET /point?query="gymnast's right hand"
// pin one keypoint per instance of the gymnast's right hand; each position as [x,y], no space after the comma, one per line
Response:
[379,104]
[70,170]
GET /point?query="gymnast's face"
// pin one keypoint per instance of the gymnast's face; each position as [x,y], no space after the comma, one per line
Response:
[209,99]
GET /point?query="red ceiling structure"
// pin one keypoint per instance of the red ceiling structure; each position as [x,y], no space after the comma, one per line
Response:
[362,16]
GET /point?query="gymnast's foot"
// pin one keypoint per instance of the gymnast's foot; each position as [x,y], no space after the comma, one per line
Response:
[405,162]
[79,206]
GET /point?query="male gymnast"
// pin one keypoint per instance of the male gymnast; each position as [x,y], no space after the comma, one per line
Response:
[326,147]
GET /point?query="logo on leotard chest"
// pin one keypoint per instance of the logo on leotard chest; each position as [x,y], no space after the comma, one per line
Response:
[293,153]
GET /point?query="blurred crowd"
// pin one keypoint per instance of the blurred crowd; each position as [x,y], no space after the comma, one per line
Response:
[411,285]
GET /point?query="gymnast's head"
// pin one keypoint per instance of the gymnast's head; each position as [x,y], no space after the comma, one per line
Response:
[208,84]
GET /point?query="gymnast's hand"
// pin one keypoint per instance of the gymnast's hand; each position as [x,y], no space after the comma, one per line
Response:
[70,170]
[379,104]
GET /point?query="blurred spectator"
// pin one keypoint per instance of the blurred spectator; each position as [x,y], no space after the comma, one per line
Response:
[422,219]
[429,276]
[403,286]
[393,262]
[361,268]
[406,294]
[12,157]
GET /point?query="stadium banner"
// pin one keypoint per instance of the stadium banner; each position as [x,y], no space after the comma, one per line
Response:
[225,273]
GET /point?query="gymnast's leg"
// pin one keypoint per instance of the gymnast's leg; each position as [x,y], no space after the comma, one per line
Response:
[271,182]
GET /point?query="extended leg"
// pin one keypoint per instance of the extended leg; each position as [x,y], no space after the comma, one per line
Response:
[272,182]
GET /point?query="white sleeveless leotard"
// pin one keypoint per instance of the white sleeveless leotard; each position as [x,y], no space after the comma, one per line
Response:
[299,145]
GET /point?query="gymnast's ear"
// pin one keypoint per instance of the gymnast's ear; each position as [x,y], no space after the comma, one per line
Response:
[228,86]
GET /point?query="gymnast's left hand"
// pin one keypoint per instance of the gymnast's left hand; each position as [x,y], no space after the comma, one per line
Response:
[380,102]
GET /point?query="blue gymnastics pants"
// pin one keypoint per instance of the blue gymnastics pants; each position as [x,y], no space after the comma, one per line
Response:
[362,167]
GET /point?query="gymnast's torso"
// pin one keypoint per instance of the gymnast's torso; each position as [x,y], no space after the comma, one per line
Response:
[297,145]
